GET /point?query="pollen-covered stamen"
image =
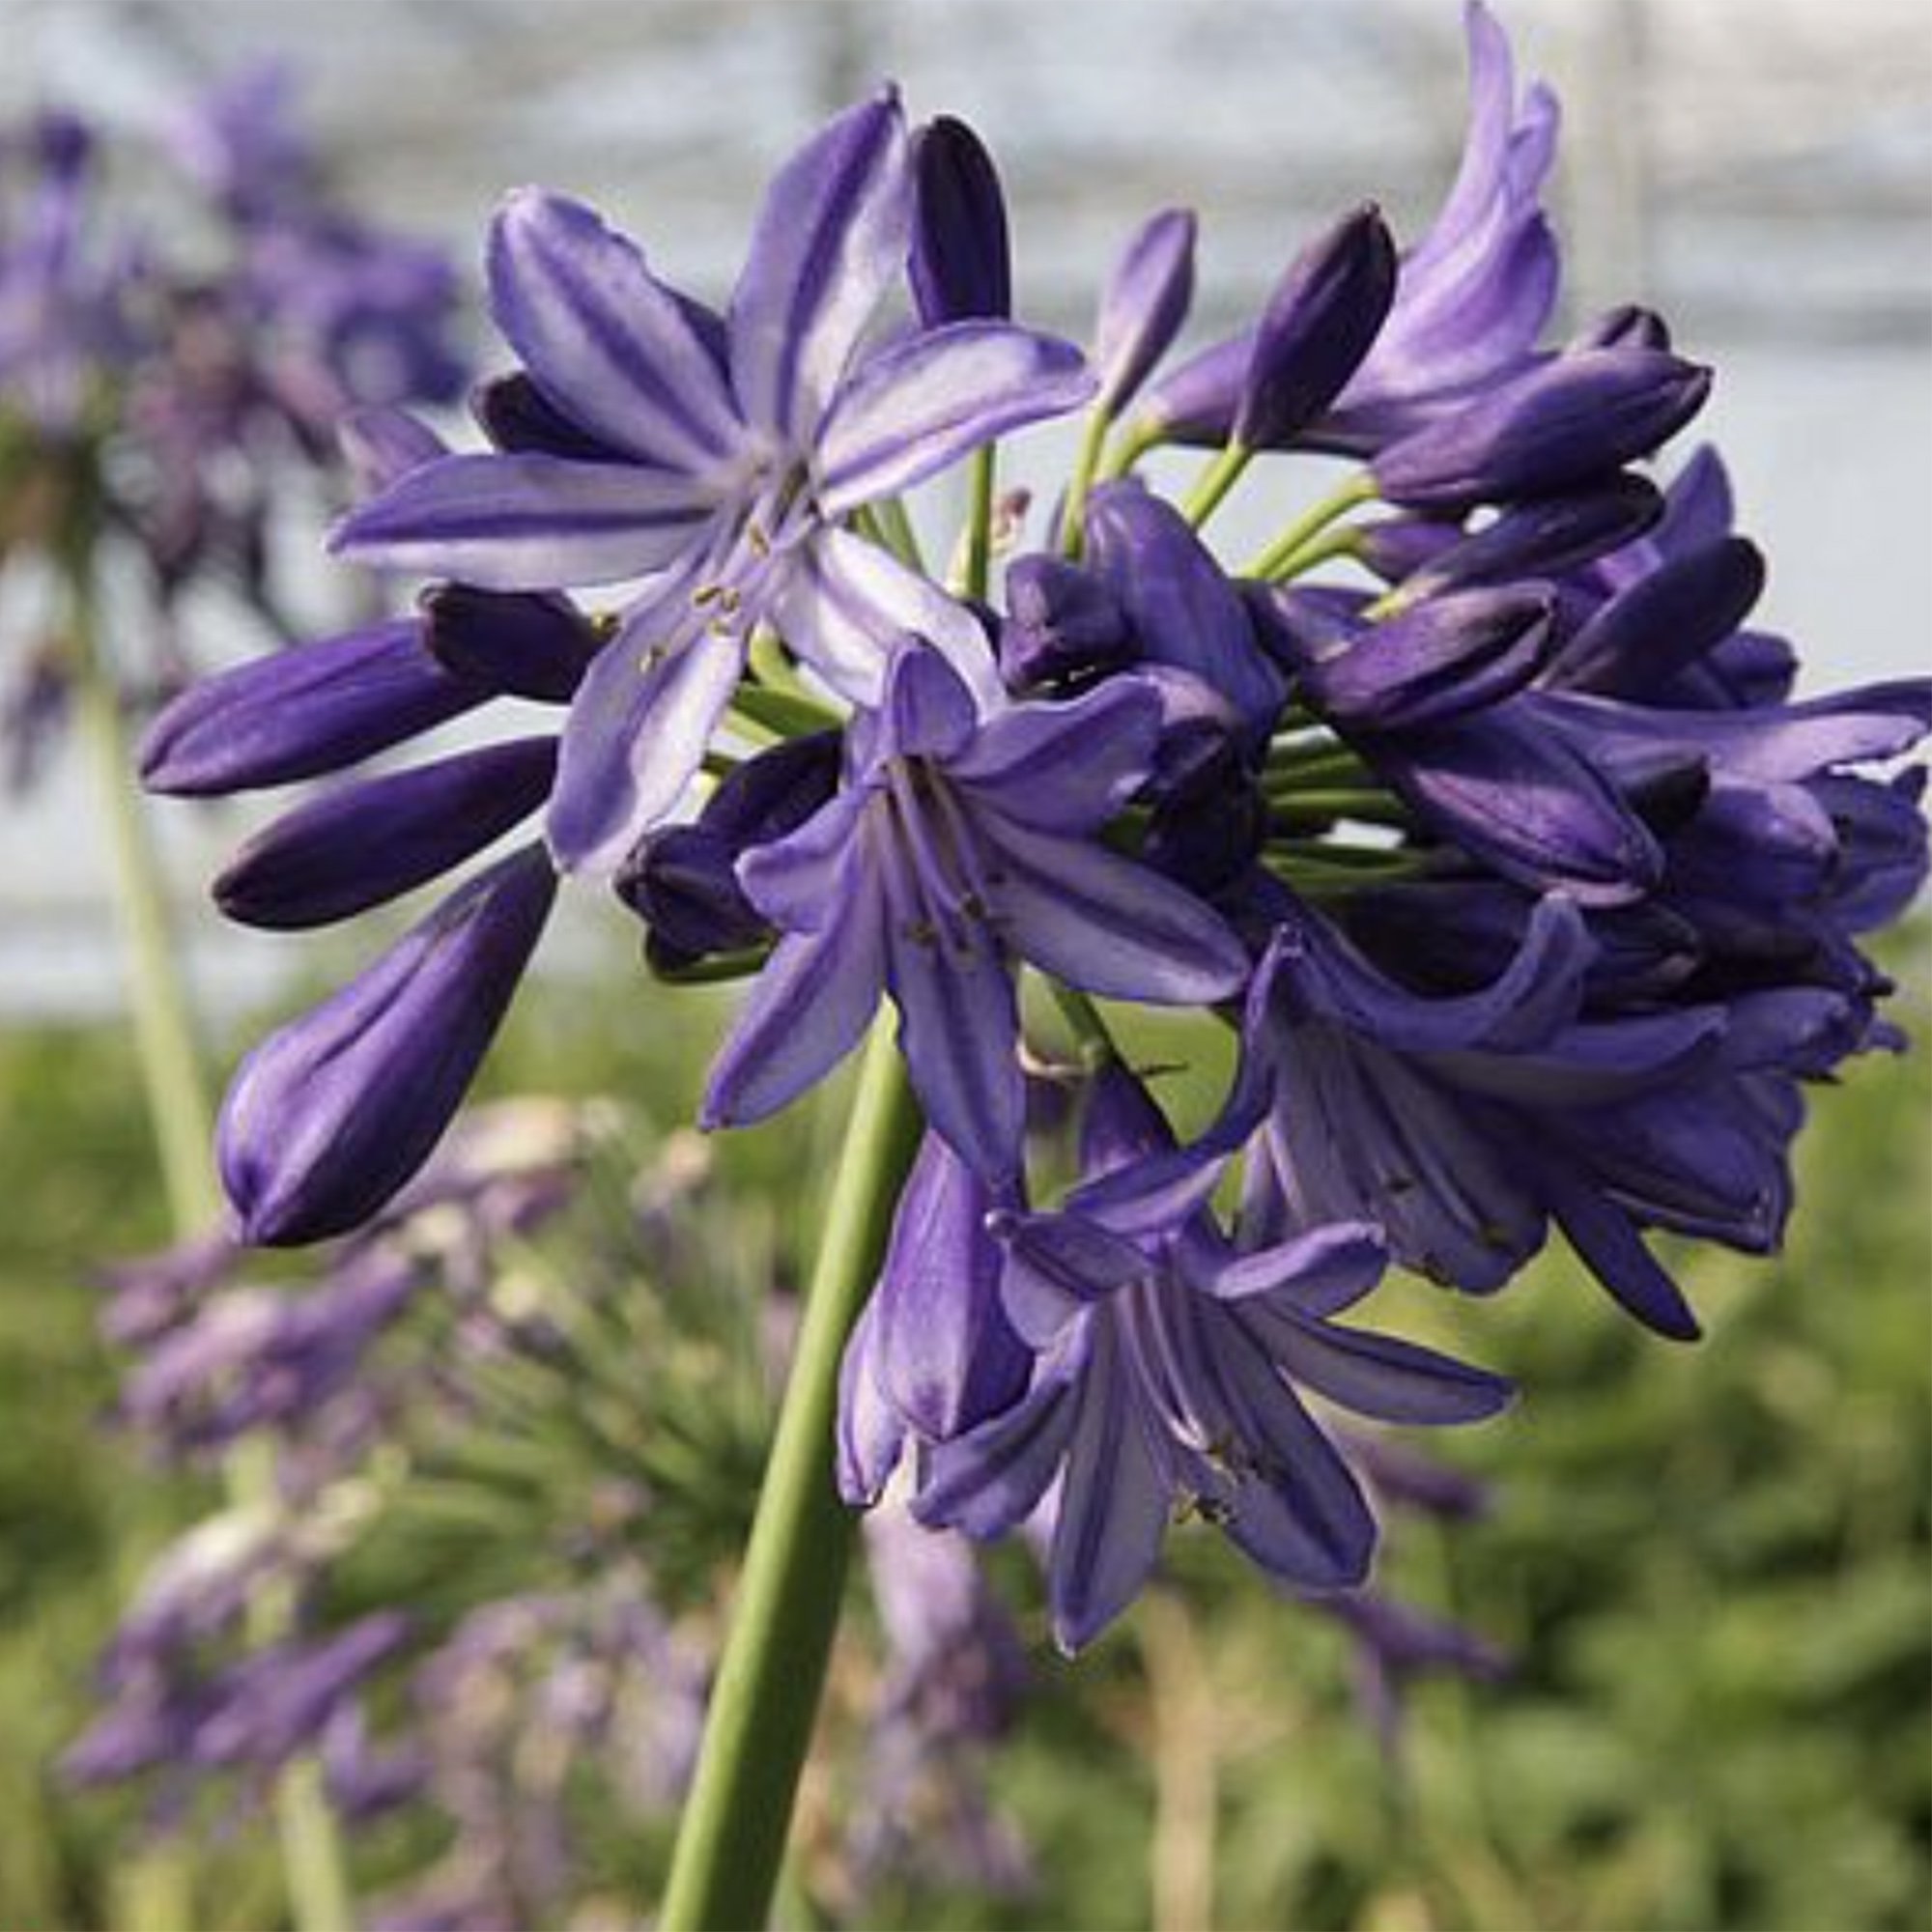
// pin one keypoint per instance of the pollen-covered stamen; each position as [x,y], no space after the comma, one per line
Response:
[732,582]
[942,854]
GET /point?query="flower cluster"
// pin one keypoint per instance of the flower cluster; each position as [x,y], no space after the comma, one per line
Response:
[1473,803]
[178,353]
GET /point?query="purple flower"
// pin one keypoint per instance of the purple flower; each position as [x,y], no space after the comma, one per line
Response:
[1472,297]
[1319,324]
[958,846]
[728,453]
[251,1358]
[67,323]
[1171,1359]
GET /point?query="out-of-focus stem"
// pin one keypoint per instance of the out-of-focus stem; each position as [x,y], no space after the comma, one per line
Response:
[172,1073]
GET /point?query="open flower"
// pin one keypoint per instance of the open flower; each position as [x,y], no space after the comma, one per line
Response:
[1167,1379]
[958,846]
[719,458]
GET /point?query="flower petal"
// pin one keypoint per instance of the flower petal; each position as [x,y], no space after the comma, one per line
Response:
[1380,1375]
[1056,1266]
[805,1013]
[1108,925]
[842,604]
[991,1479]
[870,1435]
[1065,767]
[920,405]
[945,1355]
[603,340]
[1113,1505]
[959,1031]
[636,735]
[526,523]
[1317,1273]
[794,881]
[831,238]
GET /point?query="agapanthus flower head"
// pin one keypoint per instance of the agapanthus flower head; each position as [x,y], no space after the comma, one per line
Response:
[1534,895]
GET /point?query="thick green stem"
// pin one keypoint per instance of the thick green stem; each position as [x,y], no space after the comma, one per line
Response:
[179,1107]
[731,1840]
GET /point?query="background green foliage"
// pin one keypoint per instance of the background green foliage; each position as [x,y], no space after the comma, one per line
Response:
[1709,1563]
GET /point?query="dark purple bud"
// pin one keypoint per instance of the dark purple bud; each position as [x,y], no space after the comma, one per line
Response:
[1184,611]
[523,643]
[1626,326]
[1459,935]
[361,845]
[682,880]
[775,792]
[960,267]
[303,712]
[1061,621]
[1665,622]
[1319,323]
[517,416]
[1525,800]
[1144,302]
[1548,535]
[328,1117]
[1564,423]
[1434,661]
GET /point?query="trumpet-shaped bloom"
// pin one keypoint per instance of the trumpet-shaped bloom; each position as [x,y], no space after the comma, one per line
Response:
[716,459]
[958,846]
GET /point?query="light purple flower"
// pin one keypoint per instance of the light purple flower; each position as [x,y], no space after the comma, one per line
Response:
[727,455]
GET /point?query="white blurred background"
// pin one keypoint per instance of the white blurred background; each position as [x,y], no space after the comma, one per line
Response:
[1760,170]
